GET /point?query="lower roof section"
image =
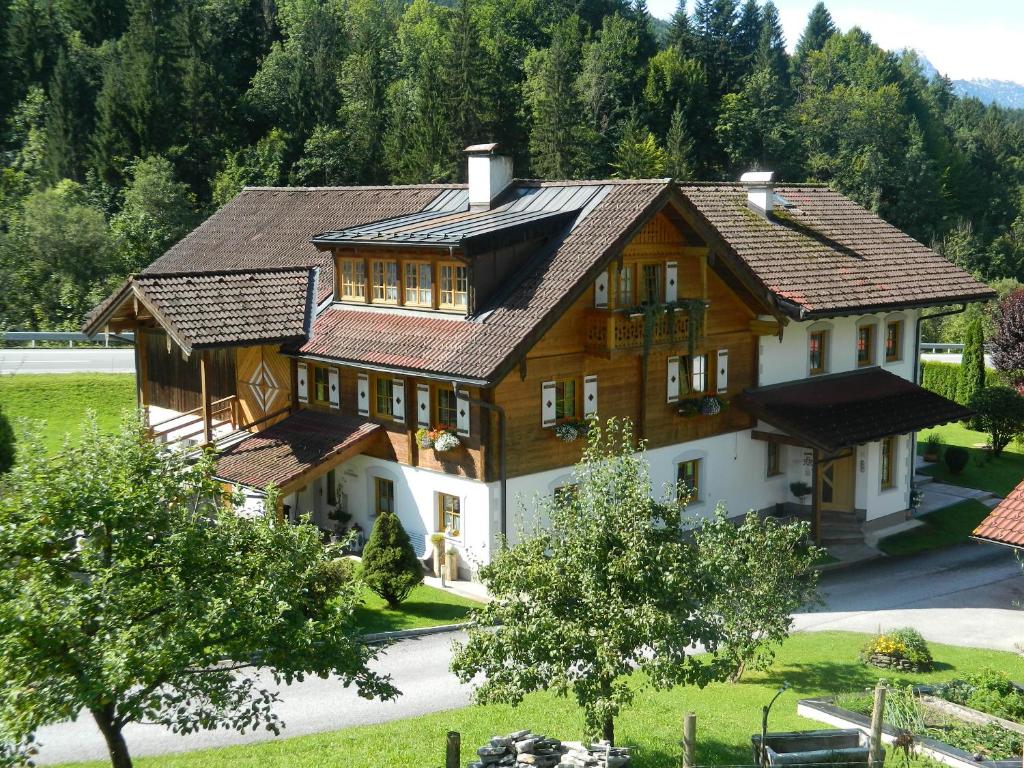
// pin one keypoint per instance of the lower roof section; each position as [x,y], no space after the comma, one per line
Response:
[843,410]
[1005,524]
[295,450]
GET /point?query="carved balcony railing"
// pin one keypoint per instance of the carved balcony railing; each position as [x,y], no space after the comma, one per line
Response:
[611,332]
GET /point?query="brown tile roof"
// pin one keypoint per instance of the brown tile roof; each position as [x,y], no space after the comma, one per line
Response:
[828,255]
[1005,524]
[843,410]
[283,453]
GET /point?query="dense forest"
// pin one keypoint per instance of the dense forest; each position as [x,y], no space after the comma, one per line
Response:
[124,122]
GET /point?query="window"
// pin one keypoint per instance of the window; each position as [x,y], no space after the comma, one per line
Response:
[321,385]
[454,286]
[887,473]
[651,291]
[332,487]
[353,279]
[385,282]
[419,284]
[384,402]
[449,514]
[865,345]
[447,407]
[688,479]
[565,399]
[698,373]
[624,295]
[817,351]
[774,467]
[384,495]
[893,341]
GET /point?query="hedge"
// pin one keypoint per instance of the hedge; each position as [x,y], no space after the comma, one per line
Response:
[942,378]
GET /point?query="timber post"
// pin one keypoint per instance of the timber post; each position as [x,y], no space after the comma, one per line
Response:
[204,385]
[877,712]
[452,749]
[689,740]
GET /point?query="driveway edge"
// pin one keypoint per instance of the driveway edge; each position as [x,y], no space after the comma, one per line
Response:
[403,634]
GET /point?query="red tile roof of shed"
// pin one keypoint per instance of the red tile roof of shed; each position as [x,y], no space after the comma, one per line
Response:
[1005,524]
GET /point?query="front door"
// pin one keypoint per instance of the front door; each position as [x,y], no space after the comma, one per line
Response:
[835,485]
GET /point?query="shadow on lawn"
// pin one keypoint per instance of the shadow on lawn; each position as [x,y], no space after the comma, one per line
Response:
[411,613]
[833,677]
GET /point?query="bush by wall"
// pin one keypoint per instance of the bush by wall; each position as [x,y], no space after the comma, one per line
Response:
[943,378]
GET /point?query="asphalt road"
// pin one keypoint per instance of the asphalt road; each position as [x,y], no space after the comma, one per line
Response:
[961,595]
[71,360]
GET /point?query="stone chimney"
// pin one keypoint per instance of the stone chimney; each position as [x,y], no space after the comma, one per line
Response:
[489,175]
[760,191]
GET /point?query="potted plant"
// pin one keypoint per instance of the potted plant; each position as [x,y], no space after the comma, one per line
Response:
[445,440]
[932,447]
[424,437]
[437,542]
[710,405]
[689,407]
[800,489]
[571,430]
[341,520]
[451,564]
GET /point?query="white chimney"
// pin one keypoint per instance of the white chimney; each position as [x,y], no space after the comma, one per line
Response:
[760,194]
[489,175]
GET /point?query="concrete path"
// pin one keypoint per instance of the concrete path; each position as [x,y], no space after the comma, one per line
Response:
[960,595]
[75,360]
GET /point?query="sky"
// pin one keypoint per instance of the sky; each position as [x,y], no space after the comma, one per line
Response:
[964,40]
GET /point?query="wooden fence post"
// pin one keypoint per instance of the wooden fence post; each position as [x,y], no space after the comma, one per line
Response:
[453,749]
[877,716]
[689,740]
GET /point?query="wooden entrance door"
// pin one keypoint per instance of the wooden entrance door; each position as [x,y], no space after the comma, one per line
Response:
[835,485]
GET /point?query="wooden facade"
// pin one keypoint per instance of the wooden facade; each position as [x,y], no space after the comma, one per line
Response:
[264,384]
[173,380]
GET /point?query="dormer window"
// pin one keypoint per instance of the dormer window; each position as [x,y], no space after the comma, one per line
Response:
[454,287]
[419,284]
[353,279]
[385,282]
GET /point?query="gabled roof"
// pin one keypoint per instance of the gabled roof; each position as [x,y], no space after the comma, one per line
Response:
[825,255]
[843,410]
[1005,524]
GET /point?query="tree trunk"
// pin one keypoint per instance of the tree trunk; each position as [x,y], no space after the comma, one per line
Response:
[111,730]
[608,730]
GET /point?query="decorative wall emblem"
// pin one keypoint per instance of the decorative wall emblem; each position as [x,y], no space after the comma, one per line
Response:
[264,387]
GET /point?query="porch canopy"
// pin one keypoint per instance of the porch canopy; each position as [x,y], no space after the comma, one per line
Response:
[295,451]
[1005,524]
[842,410]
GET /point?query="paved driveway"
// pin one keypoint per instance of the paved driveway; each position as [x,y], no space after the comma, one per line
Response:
[960,595]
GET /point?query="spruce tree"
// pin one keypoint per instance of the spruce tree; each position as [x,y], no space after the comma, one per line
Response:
[390,566]
[748,34]
[714,23]
[679,163]
[972,364]
[771,45]
[680,31]
[819,29]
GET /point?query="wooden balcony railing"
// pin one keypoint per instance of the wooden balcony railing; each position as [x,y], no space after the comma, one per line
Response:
[193,423]
[614,331]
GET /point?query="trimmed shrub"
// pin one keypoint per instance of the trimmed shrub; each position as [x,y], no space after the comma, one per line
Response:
[1000,412]
[972,364]
[942,378]
[956,458]
[390,566]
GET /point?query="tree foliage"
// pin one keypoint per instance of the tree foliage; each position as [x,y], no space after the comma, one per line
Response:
[972,364]
[390,566]
[1008,339]
[130,589]
[999,411]
[7,442]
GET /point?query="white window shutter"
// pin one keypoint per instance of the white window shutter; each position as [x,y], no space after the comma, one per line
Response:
[589,396]
[547,404]
[363,394]
[335,394]
[303,380]
[462,414]
[722,378]
[423,405]
[398,399]
[671,287]
[673,379]
[601,290]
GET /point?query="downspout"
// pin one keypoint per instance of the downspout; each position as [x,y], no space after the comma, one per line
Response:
[501,440]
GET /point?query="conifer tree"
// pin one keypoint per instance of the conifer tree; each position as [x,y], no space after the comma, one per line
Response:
[390,566]
[819,29]
[680,31]
[972,364]
[637,155]
[679,162]
[748,34]
[714,23]
[771,45]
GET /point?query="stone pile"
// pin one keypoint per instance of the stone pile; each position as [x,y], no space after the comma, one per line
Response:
[524,749]
[885,661]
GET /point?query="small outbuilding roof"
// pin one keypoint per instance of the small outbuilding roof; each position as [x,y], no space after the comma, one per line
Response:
[1005,524]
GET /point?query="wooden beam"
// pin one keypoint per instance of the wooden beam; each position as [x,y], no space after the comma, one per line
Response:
[141,372]
[204,386]
[776,437]
[765,327]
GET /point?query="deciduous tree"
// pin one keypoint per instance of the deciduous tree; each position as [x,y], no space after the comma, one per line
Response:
[999,411]
[1008,339]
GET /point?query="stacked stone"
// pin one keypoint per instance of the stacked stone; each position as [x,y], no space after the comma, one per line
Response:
[524,749]
[893,662]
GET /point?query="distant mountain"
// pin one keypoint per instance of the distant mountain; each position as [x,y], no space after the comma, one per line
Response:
[1005,93]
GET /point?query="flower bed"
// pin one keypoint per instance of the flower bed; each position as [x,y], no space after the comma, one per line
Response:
[902,649]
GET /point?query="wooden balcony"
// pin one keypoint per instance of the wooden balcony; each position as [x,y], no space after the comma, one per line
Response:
[610,333]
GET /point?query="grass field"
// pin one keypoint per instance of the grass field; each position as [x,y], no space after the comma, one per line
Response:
[996,475]
[727,715]
[941,528]
[425,607]
[61,401]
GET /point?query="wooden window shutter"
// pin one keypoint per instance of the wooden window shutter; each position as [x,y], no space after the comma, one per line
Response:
[335,394]
[589,396]
[398,399]
[722,373]
[462,414]
[363,394]
[423,405]
[303,381]
[547,404]
[673,379]
[601,290]
[671,280]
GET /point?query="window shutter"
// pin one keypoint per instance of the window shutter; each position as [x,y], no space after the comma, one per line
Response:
[547,404]
[601,290]
[673,379]
[364,394]
[671,290]
[722,379]
[462,415]
[398,399]
[589,396]
[335,394]
[303,379]
[423,405]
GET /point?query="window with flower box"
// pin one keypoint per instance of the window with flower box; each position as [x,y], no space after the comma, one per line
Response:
[447,407]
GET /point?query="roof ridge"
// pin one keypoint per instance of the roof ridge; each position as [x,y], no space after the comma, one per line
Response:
[589,182]
[233,271]
[353,188]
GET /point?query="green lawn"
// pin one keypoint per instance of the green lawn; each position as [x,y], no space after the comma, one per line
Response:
[941,528]
[426,607]
[812,663]
[996,475]
[61,400]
